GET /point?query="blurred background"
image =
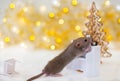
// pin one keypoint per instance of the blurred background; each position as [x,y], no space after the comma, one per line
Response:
[53,24]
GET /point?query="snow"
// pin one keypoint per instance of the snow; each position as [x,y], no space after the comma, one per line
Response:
[31,62]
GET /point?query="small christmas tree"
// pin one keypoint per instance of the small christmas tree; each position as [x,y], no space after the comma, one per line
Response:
[95,31]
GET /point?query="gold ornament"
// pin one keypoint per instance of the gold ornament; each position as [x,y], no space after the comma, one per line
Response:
[96,32]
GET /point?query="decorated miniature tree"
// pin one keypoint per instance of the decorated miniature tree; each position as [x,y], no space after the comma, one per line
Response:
[96,32]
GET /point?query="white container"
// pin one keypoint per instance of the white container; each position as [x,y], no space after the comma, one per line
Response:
[92,68]
[90,65]
[7,67]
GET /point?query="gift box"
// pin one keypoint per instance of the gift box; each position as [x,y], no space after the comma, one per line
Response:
[7,67]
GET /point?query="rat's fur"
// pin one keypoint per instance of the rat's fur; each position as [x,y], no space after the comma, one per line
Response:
[77,48]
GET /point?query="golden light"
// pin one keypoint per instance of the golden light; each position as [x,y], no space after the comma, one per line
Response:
[109,37]
[74,2]
[65,10]
[58,40]
[0,34]
[7,39]
[61,21]
[87,14]
[12,5]
[80,34]
[99,20]
[77,28]
[24,19]
[52,47]
[118,20]
[25,9]
[107,3]
[32,38]
[4,19]
[51,15]
[37,23]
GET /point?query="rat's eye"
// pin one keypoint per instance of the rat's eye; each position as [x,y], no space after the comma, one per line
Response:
[78,45]
[85,40]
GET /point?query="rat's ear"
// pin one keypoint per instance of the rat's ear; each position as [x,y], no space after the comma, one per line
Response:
[77,44]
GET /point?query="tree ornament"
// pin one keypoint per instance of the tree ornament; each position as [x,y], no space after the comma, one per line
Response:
[96,31]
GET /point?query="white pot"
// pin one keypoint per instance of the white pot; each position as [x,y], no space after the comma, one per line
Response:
[90,65]
[7,67]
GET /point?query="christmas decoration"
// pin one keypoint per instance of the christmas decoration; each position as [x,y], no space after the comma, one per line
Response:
[24,24]
[96,31]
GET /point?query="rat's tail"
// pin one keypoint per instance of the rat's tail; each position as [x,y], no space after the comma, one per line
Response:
[35,77]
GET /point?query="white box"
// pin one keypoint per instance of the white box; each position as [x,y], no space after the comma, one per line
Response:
[90,65]
[7,67]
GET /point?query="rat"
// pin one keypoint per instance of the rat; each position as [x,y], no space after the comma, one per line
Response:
[78,48]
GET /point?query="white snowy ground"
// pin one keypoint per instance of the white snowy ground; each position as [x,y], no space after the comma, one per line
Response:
[32,62]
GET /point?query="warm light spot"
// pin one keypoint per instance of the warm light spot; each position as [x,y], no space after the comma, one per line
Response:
[1,44]
[22,20]
[109,37]
[65,10]
[99,20]
[7,39]
[87,13]
[0,34]
[52,47]
[37,23]
[4,19]
[74,2]
[15,29]
[61,21]
[23,45]
[118,21]
[43,8]
[58,40]
[77,28]
[80,34]
[46,39]
[25,9]
[12,5]
[107,3]
[32,38]
[51,33]
[51,15]
[56,3]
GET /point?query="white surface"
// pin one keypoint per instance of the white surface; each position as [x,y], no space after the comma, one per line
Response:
[32,63]
[77,64]
[92,68]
